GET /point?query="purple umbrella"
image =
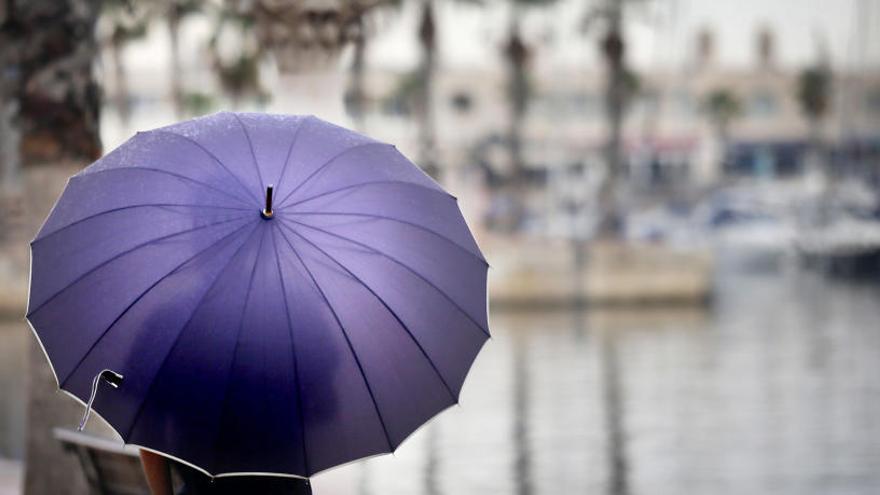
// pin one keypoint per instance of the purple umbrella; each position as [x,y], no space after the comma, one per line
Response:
[253,328]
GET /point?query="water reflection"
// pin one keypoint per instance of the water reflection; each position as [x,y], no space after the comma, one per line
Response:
[774,389]
[13,355]
[432,485]
[522,465]
[615,413]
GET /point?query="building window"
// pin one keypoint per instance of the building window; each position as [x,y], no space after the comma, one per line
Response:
[763,104]
[683,103]
[568,104]
[872,100]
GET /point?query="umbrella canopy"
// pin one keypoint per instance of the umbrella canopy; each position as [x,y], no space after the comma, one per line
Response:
[285,339]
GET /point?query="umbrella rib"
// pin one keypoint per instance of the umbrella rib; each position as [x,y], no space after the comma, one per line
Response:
[213,156]
[247,136]
[127,251]
[392,219]
[166,172]
[181,331]
[131,207]
[395,260]
[388,308]
[223,406]
[347,339]
[302,422]
[137,299]
[371,183]
[290,150]
[325,164]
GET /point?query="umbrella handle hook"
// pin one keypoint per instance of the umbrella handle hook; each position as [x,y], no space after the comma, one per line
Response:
[113,378]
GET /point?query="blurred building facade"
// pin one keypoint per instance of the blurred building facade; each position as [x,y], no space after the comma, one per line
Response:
[668,134]
[672,146]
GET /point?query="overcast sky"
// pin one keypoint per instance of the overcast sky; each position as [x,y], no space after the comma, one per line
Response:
[660,34]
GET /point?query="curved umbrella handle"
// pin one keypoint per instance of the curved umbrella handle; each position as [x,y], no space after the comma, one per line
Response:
[111,377]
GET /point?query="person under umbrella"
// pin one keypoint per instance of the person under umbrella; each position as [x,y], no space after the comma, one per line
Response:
[276,294]
[157,469]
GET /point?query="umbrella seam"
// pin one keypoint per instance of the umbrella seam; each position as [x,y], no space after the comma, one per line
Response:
[180,333]
[290,149]
[167,172]
[391,311]
[413,271]
[347,340]
[244,307]
[327,163]
[128,251]
[247,136]
[370,183]
[213,156]
[159,205]
[293,354]
[136,300]
[391,219]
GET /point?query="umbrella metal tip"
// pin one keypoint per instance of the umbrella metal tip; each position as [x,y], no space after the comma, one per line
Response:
[113,378]
[267,212]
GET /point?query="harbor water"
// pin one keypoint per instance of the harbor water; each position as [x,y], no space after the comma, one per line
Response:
[774,388]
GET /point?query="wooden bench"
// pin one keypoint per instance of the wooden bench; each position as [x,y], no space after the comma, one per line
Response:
[111,468]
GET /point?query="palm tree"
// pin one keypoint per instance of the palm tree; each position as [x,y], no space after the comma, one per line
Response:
[722,106]
[51,85]
[425,76]
[612,47]
[47,51]
[814,96]
[126,21]
[9,144]
[355,96]
[518,55]
[427,35]
[361,30]
[239,75]
[175,12]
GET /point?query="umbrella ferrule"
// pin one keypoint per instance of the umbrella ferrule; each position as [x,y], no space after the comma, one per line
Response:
[267,212]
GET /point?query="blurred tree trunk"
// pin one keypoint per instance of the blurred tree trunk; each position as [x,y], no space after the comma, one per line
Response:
[425,110]
[173,20]
[615,411]
[121,98]
[47,48]
[356,95]
[814,96]
[722,106]
[10,162]
[176,11]
[9,144]
[817,160]
[615,93]
[517,55]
